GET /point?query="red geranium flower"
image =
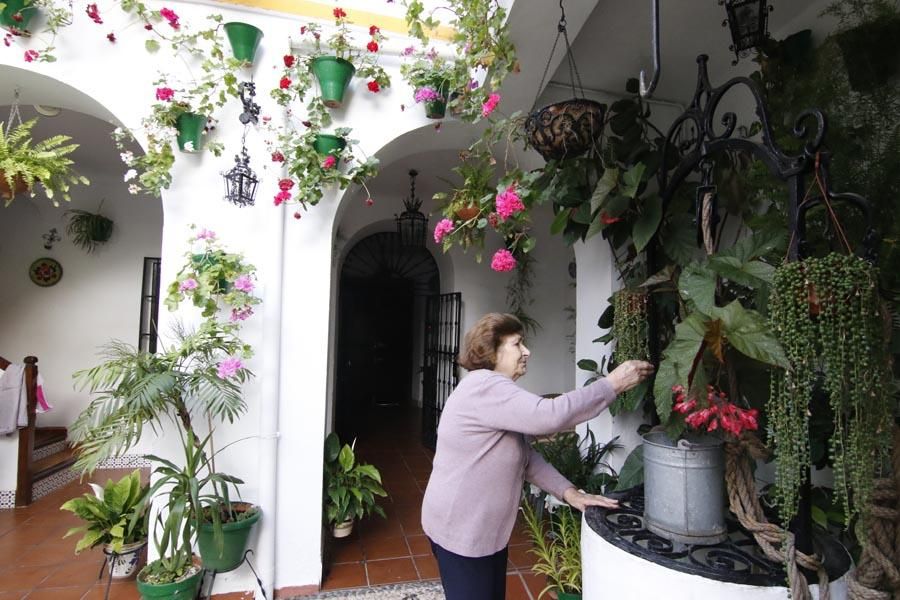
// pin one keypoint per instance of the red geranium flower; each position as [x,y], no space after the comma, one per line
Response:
[93,13]
[31,55]
[339,13]
[288,60]
[285,184]
[372,46]
[277,156]
[373,86]
[285,83]
[111,37]
[148,26]
[373,29]
[369,202]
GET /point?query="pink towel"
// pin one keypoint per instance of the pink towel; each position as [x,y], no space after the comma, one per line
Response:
[42,404]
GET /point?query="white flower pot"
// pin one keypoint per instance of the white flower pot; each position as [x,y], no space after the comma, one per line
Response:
[342,530]
[128,562]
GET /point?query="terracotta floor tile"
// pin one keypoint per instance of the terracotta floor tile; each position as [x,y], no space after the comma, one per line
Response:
[346,550]
[31,534]
[419,544]
[22,578]
[47,554]
[412,524]
[535,583]
[117,591]
[392,570]
[376,548]
[520,556]
[12,595]
[72,574]
[58,593]
[515,588]
[427,566]
[381,528]
[345,576]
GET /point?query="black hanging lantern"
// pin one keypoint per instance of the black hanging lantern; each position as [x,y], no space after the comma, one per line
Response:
[748,22]
[240,181]
[412,224]
[569,128]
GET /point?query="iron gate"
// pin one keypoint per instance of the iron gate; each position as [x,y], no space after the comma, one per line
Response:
[440,372]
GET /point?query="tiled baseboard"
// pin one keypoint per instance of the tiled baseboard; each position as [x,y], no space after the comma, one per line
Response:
[52,483]
[7,499]
[129,461]
[48,450]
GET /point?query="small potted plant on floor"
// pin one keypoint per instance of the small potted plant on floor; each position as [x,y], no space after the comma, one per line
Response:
[24,163]
[350,487]
[557,548]
[116,517]
[333,66]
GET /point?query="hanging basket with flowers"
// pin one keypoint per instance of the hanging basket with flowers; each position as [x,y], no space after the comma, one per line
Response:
[433,77]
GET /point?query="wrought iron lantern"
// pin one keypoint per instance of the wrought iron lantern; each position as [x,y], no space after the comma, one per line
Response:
[412,224]
[748,22]
[241,181]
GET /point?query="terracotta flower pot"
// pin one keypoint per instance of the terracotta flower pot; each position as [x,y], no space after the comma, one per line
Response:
[9,193]
[467,212]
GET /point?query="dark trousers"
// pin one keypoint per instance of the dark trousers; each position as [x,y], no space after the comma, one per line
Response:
[466,578]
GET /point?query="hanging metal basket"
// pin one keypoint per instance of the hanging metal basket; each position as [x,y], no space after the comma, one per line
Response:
[565,129]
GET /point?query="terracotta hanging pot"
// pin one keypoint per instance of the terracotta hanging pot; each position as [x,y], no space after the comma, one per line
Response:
[467,213]
[8,193]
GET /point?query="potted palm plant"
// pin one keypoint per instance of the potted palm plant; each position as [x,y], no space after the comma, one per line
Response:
[24,163]
[350,487]
[116,517]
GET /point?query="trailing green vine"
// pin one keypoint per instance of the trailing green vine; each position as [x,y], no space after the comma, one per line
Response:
[829,320]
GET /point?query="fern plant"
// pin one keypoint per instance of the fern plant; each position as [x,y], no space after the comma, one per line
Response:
[24,162]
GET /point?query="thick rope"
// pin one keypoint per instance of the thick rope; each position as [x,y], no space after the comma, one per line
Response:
[878,575]
[776,543]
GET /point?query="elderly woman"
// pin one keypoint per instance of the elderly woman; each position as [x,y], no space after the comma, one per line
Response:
[482,455]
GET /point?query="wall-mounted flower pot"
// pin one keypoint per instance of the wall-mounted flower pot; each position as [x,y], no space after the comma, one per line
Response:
[334,75]
[567,596]
[17,14]
[8,193]
[235,534]
[565,129]
[190,128]
[871,53]
[244,40]
[326,144]
[436,109]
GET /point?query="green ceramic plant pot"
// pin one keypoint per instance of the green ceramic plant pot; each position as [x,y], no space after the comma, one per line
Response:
[235,535]
[22,9]
[329,144]
[244,40]
[436,109]
[190,130]
[334,75]
[567,596]
[186,589]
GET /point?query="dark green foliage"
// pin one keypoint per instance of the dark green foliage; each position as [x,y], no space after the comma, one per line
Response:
[88,230]
[578,459]
[350,488]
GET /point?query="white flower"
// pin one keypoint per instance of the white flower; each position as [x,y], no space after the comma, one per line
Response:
[189,146]
[130,174]
[127,157]
[134,189]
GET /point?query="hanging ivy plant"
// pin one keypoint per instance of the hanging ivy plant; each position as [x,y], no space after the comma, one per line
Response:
[828,317]
[88,230]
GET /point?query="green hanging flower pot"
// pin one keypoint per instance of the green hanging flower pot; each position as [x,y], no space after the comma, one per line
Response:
[436,109]
[326,144]
[190,128]
[244,39]
[17,13]
[871,53]
[334,75]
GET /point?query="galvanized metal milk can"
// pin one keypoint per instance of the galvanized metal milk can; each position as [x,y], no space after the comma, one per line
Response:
[684,488]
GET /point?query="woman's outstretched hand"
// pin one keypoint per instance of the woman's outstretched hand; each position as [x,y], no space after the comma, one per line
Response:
[581,500]
[629,374]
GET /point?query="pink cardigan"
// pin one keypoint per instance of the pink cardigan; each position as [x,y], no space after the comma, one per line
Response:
[482,458]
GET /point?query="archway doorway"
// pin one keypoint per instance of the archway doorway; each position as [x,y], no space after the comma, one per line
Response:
[382,295]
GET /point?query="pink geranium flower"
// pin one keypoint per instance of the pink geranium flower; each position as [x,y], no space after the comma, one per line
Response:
[164,93]
[187,285]
[489,106]
[281,197]
[443,227]
[31,55]
[206,234]
[508,202]
[329,162]
[241,314]
[427,94]
[169,15]
[503,260]
[228,367]
[244,284]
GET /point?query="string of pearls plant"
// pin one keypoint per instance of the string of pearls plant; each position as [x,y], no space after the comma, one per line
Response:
[828,317]
[630,332]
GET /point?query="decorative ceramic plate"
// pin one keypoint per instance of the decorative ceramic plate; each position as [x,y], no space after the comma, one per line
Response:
[45,272]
